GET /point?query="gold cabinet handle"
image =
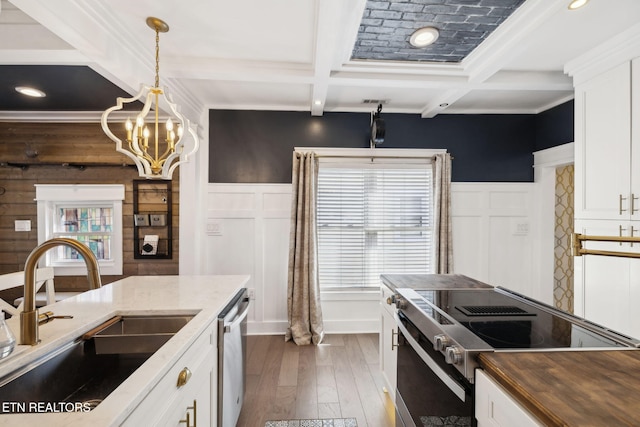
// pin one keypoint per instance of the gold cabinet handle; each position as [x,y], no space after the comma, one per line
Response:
[183,377]
[620,230]
[633,204]
[195,418]
[620,210]
[633,231]
[187,419]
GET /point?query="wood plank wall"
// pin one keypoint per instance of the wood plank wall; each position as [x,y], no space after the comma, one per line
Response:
[57,144]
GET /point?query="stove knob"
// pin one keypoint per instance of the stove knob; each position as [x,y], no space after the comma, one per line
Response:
[401,303]
[453,355]
[440,342]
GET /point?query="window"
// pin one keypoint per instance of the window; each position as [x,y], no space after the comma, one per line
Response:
[373,217]
[91,214]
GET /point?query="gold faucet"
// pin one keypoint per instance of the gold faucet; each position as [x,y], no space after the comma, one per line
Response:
[29,315]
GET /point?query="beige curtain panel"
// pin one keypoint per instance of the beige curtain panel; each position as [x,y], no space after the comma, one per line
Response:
[303,289]
[442,213]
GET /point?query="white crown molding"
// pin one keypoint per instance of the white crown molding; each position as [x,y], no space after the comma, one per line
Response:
[65,116]
[623,47]
[554,156]
[51,116]
[42,57]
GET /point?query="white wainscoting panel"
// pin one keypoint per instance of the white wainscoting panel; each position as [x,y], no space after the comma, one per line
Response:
[493,229]
[248,233]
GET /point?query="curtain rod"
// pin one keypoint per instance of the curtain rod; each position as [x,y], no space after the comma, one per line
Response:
[367,153]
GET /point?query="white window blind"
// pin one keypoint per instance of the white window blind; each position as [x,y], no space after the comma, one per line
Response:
[373,218]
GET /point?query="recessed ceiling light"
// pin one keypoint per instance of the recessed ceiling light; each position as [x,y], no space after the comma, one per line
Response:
[577,4]
[423,37]
[29,91]
[318,102]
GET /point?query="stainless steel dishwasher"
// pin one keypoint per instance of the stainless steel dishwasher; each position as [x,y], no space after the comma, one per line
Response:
[232,346]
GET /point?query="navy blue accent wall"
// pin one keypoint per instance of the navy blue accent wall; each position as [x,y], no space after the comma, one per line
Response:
[256,146]
[555,126]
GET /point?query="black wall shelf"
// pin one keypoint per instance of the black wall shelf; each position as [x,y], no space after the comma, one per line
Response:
[152,208]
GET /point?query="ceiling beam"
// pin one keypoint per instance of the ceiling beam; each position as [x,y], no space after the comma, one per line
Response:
[328,23]
[42,57]
[507,41]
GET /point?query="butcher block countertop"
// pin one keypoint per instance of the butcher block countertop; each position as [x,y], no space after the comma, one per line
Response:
[572,388]
[431,281]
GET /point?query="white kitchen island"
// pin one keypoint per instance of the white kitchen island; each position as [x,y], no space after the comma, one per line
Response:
[150,394]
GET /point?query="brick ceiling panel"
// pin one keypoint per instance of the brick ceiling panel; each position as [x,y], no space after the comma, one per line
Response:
[386,27]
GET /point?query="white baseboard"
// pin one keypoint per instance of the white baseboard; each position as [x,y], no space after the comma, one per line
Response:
[351,326]
[330,327]
[267,328]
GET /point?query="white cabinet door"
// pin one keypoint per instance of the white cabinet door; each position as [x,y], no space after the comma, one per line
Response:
[496,408]
[194,409]
[388,342]
[167,403]
[603,146]
[635,139]
[634,299]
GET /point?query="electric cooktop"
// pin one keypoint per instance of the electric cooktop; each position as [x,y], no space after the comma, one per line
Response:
[506,320]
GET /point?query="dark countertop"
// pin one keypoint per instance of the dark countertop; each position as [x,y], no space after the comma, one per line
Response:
[431,281]
[572,388]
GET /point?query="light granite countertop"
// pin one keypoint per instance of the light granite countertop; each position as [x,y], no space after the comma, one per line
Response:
[204,295]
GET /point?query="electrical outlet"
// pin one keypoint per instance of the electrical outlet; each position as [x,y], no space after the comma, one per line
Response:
[252,293]
[214,228]
[520,228]
[22,225]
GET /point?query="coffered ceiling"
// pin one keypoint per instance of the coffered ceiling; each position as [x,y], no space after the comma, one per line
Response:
[504,56]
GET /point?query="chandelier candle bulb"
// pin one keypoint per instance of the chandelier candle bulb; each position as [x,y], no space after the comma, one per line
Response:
[140,138]
[129,127]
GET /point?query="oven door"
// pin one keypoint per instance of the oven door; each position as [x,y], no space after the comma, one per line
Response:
[429,391]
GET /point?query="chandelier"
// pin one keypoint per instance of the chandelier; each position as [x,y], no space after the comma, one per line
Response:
[156,148]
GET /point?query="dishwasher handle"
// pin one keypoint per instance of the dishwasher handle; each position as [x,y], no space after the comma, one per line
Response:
[237,320]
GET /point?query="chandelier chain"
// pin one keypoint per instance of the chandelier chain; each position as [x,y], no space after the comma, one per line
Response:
[157,58]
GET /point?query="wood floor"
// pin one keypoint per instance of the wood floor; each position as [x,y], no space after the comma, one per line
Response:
[339,378]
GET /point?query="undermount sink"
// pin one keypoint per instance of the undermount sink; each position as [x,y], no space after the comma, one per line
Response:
[137,334]
[78,376]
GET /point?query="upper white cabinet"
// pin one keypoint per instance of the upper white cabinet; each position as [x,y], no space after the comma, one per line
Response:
[607,180]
